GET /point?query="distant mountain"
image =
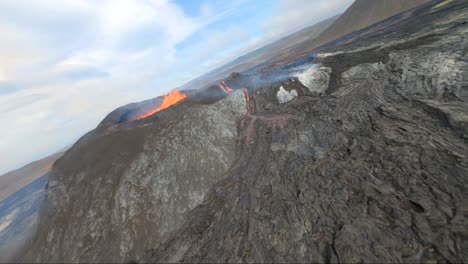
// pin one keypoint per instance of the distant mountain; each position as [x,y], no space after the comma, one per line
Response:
[363,13]
[17,179]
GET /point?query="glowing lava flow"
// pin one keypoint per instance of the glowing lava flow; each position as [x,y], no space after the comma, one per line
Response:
[225,87]
[169,99]
[247,99]
[276,121]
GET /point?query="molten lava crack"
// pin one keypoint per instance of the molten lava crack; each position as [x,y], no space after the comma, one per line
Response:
[276,121]
[223,86]
[169,99]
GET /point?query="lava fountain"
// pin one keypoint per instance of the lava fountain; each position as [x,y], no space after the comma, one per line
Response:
[169,99]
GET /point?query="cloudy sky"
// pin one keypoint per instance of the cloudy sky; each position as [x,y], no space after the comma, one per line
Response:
[65,64]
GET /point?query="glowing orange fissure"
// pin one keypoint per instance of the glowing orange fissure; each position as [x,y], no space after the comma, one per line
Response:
[223,86]
[169,99]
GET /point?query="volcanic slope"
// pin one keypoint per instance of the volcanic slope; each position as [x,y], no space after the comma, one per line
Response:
[364,161]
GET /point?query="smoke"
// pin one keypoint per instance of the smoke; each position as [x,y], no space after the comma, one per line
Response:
[266,73]
[252,79]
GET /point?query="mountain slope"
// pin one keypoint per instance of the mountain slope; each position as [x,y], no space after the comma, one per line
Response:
[363,13]
[17,179]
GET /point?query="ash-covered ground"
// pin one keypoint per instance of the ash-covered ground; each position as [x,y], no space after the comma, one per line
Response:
[356,154]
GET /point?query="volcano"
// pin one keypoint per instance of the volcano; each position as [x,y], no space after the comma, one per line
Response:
[355,151]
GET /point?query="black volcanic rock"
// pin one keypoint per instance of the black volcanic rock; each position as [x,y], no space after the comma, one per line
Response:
[372,169]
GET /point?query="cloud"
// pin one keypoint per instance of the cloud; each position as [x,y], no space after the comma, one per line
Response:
[16,53]
[7,87]
[20,102]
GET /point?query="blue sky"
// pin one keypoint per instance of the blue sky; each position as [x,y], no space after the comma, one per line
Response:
[65,64]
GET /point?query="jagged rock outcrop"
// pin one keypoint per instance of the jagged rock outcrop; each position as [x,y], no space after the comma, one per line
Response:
[114,187]
[315,78]
[373,169]
[285,96]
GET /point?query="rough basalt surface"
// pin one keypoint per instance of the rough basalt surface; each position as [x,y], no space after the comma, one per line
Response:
[372,169]
[375,171]
[118,185]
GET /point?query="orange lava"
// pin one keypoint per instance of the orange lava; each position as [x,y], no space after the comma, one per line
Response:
[247,99]
[225,87]
[169,99]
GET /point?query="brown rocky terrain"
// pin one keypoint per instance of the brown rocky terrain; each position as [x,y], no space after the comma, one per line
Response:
[17,179]
[360,156]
